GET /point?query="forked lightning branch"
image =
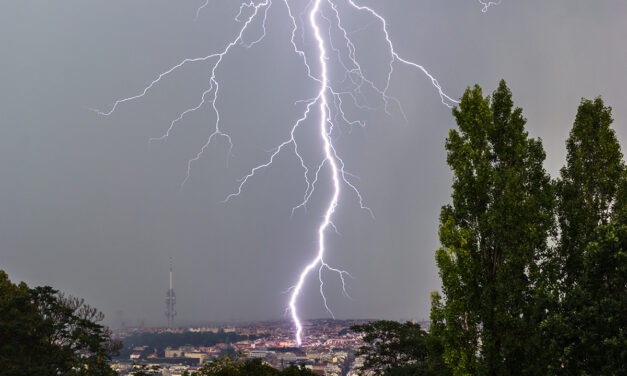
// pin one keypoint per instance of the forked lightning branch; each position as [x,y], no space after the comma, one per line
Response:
[323,22]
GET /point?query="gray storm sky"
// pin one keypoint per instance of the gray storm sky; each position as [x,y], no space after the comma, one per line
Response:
[89,206]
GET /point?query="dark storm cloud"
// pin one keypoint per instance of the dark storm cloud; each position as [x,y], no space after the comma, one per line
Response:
[90,207]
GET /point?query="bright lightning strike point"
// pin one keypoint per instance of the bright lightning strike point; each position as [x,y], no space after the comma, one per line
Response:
[328,107]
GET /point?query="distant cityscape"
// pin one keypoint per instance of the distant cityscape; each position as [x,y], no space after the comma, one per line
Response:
[329,346]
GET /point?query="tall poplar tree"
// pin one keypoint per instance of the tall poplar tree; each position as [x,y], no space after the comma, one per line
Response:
[589,184]
[589,326]
[492,237]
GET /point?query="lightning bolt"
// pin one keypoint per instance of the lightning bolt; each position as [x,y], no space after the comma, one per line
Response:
[488,4]
[327,110]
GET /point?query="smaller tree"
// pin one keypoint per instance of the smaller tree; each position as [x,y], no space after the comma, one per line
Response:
[296,370]
[229,366]
[20,341]
[72,328]
[590,186]
[587,329]
[393,348]
[144,370]
[46,333]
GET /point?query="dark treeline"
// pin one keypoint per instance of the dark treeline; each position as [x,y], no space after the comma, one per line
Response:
[533,269]
[160,341]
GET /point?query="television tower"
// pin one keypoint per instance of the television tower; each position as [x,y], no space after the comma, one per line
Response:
[170,300]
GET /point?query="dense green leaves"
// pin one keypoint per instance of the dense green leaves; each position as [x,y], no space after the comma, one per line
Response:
[227,366]
[601,319]
[491,236]
[588,327]
[589,184]
[510,303]
[19,338]
[393,348]
[45,333]
[145,370]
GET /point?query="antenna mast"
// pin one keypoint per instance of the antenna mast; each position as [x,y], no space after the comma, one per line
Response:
[170,300]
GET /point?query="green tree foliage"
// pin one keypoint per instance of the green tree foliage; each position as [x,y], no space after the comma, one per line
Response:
[45,333]
[589,184]
[19,341]
[145,370]
[601,319]
[492,237]
[394,348]
[588,328]
[228,366]
[295,370]
[435,341]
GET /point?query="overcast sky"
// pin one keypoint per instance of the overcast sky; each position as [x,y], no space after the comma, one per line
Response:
[89,206]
